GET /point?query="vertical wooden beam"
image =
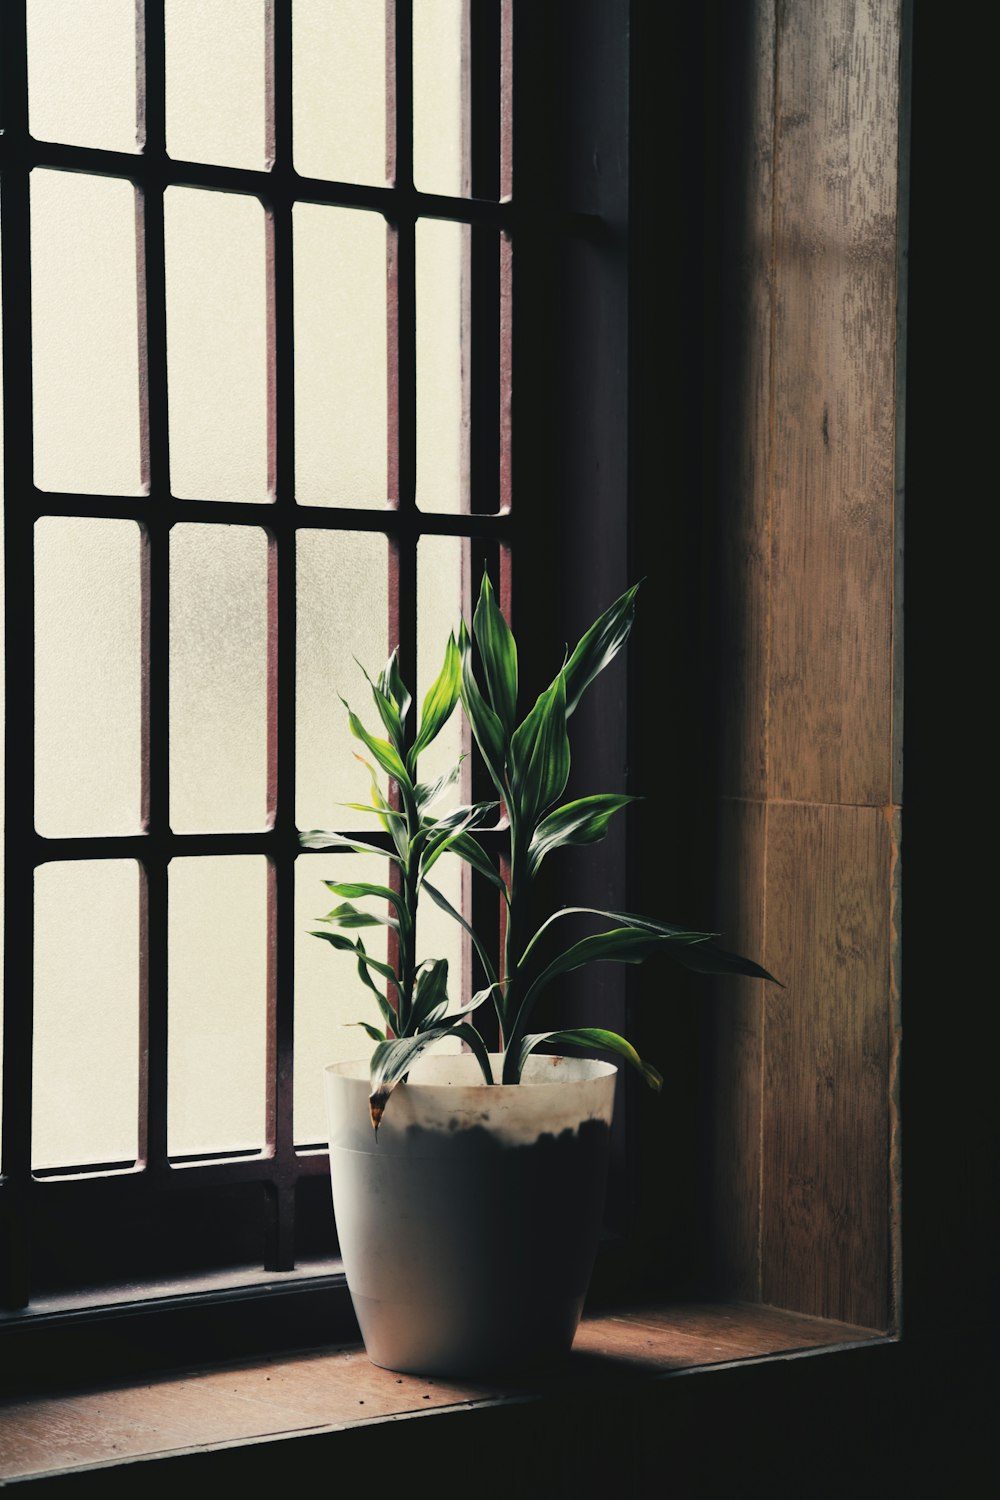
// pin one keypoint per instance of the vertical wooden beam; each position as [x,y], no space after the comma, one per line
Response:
[804,1078]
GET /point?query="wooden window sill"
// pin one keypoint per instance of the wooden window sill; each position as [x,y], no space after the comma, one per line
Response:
[336,1388]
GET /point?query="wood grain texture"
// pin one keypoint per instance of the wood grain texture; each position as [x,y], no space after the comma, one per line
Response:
[339,1388]
[744,417]
[827,1038]
[833,401]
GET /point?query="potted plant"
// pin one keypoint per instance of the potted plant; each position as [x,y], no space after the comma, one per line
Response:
[468,1189]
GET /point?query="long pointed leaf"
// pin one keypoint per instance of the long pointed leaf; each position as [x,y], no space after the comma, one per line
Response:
[440,701]
[429,993]
[393,1059]
[347,915]
[540,756]
[598,646]
[592,1038]
[427,793]
[623,918]
[445,905]
[386,754]
[352,890]
[336,940]
[373,1031]
[486,726]
[318,838]
[582,822]
[466,847]
[498,655]
[390,681]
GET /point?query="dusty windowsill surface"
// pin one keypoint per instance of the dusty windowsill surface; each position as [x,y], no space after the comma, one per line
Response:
[337,1387]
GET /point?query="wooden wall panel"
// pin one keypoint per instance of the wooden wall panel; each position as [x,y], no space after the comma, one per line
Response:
[825,1140]
[805,1176]
[833,400]
[744,539]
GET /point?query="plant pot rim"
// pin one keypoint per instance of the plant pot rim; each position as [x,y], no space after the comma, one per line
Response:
[548,1071]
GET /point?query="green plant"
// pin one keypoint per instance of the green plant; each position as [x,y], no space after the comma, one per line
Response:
[412,997]
[529,764]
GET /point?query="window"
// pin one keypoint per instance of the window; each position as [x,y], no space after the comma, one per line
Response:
[258,424]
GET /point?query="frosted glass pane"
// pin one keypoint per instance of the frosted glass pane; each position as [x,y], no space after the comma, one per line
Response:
[88,677]
[82,72]
[443,594]
[338,84]
[442,359]
[218,678]
[216,345]
[85,342]
[329,996]
[342,614]
[85,1101]
[217,1005]
[340,356]
[440,96]
[215,75]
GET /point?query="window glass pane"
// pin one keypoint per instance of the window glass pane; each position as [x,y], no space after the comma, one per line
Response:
[217,1035]
[217,345]
[82,72]
[343,614]
[85,1097]
[442,594]
[338,81]
[340,357]
[85,342]
[88,677]
[442,365]
[218,678]
[215,81]
[441,96]
[329,996]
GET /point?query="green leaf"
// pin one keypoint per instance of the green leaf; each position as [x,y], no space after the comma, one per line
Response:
[386,754]
[391,1061]
[317,838]
[430,992]
[440,701]
[706,958]
[442,834]
[626,945]
[582,822]
[391,683]
[498,655]
[373,1031]
[347,915]
[624,918]
[426,794]
[487,728]
[445,905]
[598,646]
[336,940]
[352,890]
[466,847]
[593,1038]
[540,757]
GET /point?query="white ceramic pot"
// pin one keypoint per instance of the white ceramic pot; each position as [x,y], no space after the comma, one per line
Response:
[469,1228]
